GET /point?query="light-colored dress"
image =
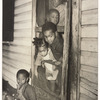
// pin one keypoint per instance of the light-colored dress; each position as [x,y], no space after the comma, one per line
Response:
[50,68]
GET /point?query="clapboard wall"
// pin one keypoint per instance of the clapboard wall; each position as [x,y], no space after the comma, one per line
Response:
[17,54]
[89,50]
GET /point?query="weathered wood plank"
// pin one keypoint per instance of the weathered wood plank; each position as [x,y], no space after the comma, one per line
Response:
[23,16]
[90,31]
[90,76]
[21,42]
[89,4]
[18,57]
[22,33]
[90,44]
[89,58]
[18,49]
[90,17]
[86,81]
[89,69]
[23,8]
[88,93]
[74,60]
[8,74]
[16,64]
[59,29]
[11,81]
[85,97]
[22,25]
[91,89]
[21,2]
[11,69]
[65,52]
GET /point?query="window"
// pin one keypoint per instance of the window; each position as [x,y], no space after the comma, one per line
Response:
[8,20]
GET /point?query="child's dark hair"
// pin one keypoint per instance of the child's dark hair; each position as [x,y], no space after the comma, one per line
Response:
[49,26]
[53,10]
[39,42]
[24,72]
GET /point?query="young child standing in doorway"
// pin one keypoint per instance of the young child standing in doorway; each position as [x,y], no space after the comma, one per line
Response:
[55,42]
[46,59]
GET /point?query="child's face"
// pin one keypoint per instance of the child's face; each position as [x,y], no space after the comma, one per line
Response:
[43,51]
[21,79]
[49,36]
[54,18]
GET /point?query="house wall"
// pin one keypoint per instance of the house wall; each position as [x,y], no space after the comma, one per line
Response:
[89,50]
[17,54]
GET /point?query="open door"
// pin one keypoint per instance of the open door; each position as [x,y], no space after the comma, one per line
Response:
[45,93]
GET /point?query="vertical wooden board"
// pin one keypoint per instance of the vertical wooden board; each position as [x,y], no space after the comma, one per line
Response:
[21,2]
[91,89]
[90,44]
[85,97]
[90,31]
[89,4]
[89,69]
[90,76]
[88,93]
[75,48]
[89,58]
[90,17]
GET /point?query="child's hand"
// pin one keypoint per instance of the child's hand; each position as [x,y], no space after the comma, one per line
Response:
[8,97]
[19,93]
[57,62]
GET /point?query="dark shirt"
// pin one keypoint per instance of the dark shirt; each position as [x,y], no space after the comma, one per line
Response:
[57,47]
[29,92]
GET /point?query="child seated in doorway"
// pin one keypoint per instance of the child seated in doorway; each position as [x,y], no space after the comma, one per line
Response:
[24,90]
[46,59]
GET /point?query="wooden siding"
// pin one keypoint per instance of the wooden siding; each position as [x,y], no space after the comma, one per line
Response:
[17,54]
[89,50]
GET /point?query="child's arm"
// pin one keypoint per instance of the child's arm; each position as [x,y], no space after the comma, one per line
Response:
[37,63]
[31,93]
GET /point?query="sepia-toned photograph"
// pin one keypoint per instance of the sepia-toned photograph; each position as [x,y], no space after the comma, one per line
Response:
[50,50]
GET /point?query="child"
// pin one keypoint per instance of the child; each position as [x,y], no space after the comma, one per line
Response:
[60,6]
[53,16]
[45,58]
[24,90]
[55,42]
